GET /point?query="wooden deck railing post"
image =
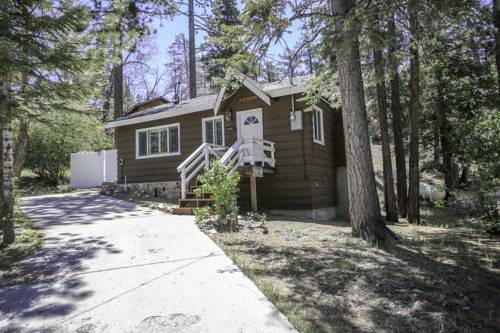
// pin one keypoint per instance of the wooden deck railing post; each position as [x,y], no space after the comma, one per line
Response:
[183,183]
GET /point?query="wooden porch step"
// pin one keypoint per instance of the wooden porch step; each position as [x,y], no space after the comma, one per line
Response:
[196,203]
[192,195]
[183,210]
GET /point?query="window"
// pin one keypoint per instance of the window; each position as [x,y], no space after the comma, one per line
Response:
[251,120]
[318,132]
[213,130]
[158,141]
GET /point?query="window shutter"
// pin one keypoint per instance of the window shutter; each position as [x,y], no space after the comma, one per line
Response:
[154,146]
[163,141]
[143,143]
[209,131]
[218,132]
[173,140]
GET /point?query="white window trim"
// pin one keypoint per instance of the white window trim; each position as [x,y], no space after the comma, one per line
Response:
[204,130]
[137,157]
[321,129]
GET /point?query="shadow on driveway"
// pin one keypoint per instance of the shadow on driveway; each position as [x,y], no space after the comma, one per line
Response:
[79,208]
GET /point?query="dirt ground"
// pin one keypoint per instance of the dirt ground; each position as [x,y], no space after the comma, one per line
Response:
[441,277]
[435,280]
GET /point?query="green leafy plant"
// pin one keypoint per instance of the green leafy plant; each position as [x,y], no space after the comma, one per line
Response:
[224,187]
[202,214]
[53,141]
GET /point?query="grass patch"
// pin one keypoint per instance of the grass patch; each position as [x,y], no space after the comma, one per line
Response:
[28,241]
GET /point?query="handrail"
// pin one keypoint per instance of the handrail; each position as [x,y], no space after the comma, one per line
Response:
[242,151]
[201,154]
[192,156]
[231,152]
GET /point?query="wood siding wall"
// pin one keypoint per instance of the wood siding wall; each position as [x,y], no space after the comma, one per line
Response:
[304,176]
[158,169]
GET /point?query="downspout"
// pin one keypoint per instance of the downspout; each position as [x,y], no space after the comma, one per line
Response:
[301,138]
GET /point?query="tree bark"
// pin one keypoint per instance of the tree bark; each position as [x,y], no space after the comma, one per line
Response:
[496,22]
[464,177]
[310,61]
[445,137]
[22,137]
[390,198]
[414,168]
[21,147]
[9,235]
[397,126]
[192,52]
[364,209]
[118,90]
[436,155]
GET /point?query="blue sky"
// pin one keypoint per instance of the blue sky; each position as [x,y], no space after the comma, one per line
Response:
[167,29]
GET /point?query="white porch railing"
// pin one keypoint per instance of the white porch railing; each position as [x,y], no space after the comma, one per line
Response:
[198,160]
[242,151]
[257,151]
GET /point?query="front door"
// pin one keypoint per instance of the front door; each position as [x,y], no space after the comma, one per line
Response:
[250,127]
[250,124]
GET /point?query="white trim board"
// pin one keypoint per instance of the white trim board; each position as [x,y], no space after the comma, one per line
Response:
[209,104]
[322,128]
[254,87]
[203,129]
[137,131]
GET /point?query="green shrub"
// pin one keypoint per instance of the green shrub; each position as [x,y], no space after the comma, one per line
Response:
[201,214]
[224,187]
[489,214]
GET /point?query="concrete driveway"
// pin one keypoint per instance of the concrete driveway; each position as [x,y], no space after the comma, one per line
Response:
[113,266]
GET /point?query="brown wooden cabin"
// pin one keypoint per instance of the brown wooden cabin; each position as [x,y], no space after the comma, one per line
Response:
[296,158]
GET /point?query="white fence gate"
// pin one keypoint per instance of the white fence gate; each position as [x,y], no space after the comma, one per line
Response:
[91,169]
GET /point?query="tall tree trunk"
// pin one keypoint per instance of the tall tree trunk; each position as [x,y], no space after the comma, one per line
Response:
[445,137]
[397,126]
[364,209]
[436,155]
[185,50]
[310,61]
[496,22]
[192,52]
[22,137]
[414,168]
[21,147]
[9,235]
[464,177]
[118,90]
[390,198]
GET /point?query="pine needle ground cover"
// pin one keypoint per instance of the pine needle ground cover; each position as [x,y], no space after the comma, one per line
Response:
[28,241]
[442,277]
[323,280]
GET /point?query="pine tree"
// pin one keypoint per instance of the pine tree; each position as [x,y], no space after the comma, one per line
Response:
[496,22]
[415,106]
[192,51]
[39,41]
[390,199]
[397,125]
[224,15]
[364,210]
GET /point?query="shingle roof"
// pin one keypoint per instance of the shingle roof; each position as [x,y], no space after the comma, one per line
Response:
[207,102]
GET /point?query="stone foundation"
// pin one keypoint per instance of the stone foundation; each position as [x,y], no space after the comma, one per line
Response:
[171,191]
[168,190]
[317,214]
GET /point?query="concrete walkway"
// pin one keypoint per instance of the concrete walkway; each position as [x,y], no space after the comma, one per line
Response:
[113,266]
